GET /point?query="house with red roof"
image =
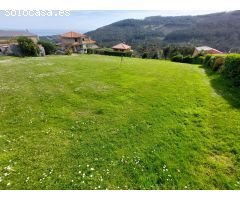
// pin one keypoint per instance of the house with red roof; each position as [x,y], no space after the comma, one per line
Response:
[122,47]
[78,42]
[205,50]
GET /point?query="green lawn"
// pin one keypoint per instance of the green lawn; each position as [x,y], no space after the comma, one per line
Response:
[90,122]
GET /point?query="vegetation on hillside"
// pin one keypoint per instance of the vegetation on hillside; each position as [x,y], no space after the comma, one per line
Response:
[220,31]
[149,37]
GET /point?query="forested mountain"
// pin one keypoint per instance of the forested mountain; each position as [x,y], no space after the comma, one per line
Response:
[219,30]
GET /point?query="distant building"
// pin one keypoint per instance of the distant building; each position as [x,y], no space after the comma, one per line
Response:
[206,50]
[8,41]
[78,42]
[8,36]
[122,47]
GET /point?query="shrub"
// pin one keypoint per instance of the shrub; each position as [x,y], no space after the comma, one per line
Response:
[232,68]
[198,60]
[28,47]
[144,55]
[154,55]
[99,51]
[215,62]
[218,62]
[118,53]
[206,61]
[49,47]
[110,52]
[69,51]
[177,58]
[228,65]
[187,59]
[90,51]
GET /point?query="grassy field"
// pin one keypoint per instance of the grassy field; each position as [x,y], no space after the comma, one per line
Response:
[90,122]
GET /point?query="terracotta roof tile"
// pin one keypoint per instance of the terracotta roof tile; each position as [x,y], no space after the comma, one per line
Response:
[122,46]
[89,41]
[209,49]
[73,35]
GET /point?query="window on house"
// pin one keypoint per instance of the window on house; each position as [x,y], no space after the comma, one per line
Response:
[83,39]
[75,39]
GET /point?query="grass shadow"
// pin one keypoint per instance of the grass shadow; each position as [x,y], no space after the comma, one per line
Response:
[224,87]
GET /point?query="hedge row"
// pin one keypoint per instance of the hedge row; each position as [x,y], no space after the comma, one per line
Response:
[228,65]
[188,59]
[109,52]
[231,68]
[215,62]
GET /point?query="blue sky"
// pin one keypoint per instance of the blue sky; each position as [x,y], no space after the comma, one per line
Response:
[83,21]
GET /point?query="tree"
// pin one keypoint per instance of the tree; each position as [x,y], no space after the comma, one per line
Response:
[166,51]
[28,47]
[173,50]
[49,47]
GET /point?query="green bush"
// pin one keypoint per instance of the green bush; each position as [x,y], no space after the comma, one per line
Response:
[49,47]
[211,62]
[69,51]
[232,68]
[187,59]
[118,53]
[215,62]
[90,51]
[218,62]
[206,61]
[144,55]
[99,51]
[177,58]
[28,47]
[110,52]
[198,60]
[228,65]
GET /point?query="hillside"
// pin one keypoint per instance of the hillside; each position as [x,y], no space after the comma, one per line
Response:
[219,30]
